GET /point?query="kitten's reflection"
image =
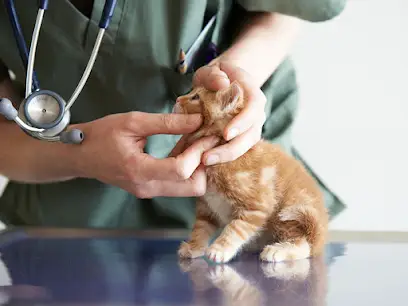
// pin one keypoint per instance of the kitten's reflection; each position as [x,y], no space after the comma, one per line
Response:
[250,282]
[237,289]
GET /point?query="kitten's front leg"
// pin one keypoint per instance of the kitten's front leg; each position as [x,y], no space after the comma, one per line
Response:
[236,234]
[204,227]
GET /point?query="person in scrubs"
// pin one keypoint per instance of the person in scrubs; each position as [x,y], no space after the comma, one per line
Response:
[128,172]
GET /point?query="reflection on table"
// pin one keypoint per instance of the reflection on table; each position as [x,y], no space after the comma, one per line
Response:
[131,271]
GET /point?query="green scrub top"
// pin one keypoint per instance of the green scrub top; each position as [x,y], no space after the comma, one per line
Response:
[135,71]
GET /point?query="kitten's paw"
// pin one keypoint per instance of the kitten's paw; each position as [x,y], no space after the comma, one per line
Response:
[187,265]
[219,254]
[285,252]
[298,270]
[222,273]
[234,285]
[187,250]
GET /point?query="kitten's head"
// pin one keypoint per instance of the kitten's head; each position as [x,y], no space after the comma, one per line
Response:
[215,106]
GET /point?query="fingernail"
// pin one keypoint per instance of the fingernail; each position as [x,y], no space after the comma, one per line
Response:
[212,159]
[232,133]
[217,73]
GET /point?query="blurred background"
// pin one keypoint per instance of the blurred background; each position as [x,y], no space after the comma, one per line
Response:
[353,123]
[352,126]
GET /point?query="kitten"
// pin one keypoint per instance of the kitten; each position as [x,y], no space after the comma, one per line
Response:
[264,200]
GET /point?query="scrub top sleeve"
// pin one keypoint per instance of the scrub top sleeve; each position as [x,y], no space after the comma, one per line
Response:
[309,10]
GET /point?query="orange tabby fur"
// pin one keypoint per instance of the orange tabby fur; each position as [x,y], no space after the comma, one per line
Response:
[264,200]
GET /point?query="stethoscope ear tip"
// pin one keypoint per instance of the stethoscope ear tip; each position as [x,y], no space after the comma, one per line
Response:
[73,136]
[7,109]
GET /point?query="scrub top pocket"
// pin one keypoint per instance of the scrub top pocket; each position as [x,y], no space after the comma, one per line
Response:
[177,84]
[198,54]
[86,35]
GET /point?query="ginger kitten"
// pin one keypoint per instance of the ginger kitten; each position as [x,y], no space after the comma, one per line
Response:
[264,200]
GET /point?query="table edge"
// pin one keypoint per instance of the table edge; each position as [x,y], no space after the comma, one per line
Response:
[57,232]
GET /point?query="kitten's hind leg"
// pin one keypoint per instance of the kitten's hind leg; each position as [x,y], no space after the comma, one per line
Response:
[288,250]
[301,233]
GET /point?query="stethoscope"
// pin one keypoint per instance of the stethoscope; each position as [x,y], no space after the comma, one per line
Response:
[44,114]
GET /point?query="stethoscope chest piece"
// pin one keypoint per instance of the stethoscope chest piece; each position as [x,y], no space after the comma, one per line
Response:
[41,110]
[44,109]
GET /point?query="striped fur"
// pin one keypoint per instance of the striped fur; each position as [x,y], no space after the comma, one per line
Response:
[264,200]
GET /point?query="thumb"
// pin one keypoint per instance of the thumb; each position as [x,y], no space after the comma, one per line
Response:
[211,77]
[147,124]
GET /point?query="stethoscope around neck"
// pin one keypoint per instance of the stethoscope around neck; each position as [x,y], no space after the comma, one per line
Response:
[43,114]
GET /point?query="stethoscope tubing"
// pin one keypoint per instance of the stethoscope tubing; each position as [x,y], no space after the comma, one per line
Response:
[19,38]
[106,17]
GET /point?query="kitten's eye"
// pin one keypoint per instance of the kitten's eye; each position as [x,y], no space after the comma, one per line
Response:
[195,97]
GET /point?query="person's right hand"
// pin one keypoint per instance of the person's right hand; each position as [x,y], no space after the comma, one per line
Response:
[112,152]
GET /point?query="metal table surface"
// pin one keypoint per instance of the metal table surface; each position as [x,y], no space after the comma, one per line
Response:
[109,267]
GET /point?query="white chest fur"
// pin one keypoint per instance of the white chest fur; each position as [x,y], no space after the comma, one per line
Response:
[219,205]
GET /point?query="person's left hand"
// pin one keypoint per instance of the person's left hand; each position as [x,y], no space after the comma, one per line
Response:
[245,130]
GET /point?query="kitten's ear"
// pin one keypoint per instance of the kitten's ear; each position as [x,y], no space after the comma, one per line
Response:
[231,97]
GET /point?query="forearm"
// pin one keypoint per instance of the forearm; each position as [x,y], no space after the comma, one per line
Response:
[263,44]
[25,159]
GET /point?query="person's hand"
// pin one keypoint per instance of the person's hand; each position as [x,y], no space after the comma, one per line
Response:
[245,130]
[113,152]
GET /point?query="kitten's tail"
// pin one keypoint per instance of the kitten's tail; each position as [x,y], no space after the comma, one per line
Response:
[311,222]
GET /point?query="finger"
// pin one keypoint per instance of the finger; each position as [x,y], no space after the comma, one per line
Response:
[175,168]
[211,77]
[254,111]
[233,149]
[147,124]
[191,158]
[252,115]
[195,186]
[235,73]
